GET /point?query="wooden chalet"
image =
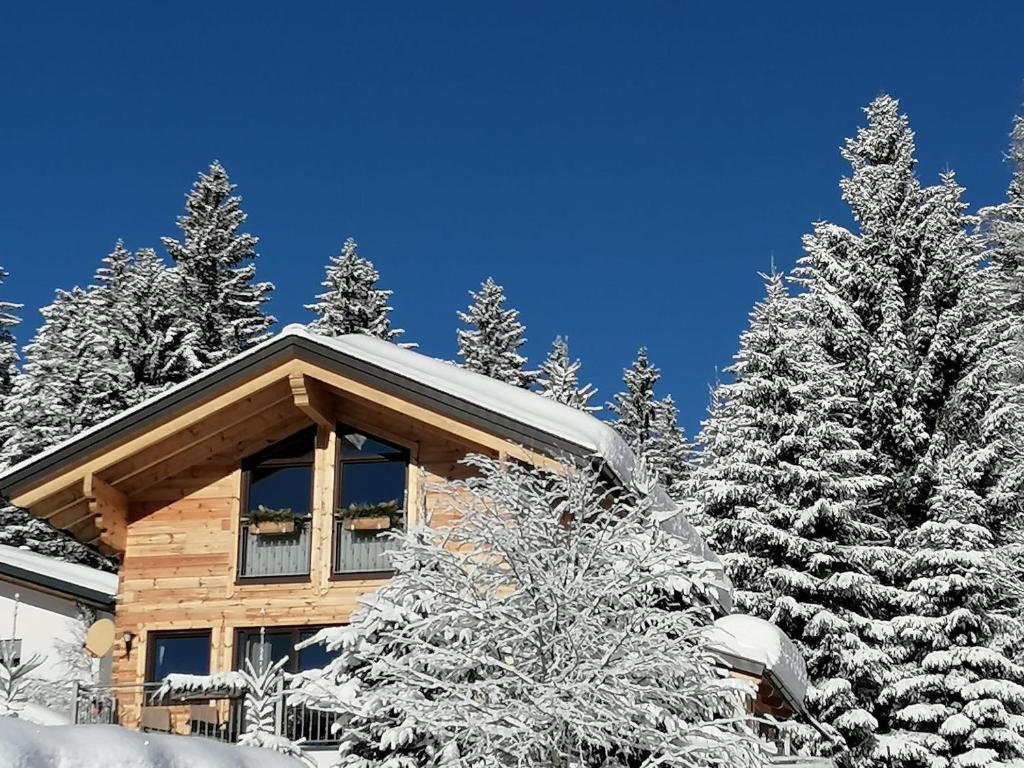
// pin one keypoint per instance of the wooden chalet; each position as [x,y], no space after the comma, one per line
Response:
[252,495]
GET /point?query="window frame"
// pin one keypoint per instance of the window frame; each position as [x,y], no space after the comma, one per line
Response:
[153,635]
[292,667]
[254,461]
[339,461]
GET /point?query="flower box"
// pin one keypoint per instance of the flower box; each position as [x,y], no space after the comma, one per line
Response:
[272,527]
[379,523]
[371,517]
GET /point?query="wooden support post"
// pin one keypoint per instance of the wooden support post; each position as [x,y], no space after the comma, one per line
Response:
[312,399]
[110,507]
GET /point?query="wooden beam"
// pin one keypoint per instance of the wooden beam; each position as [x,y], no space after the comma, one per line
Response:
[230,418]
[151,435]
[110,508]
[312,399]
[232,443]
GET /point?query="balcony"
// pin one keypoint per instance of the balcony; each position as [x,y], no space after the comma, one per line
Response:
[220,718]
[223,719]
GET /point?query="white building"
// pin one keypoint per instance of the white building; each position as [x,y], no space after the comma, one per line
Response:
[44,606]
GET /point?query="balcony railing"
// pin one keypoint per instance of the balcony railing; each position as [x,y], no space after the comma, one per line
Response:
[221,718]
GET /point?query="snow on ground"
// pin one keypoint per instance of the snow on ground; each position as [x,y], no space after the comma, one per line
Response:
[40,715]
[26,745]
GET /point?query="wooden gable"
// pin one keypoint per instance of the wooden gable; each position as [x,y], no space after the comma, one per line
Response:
[92,498]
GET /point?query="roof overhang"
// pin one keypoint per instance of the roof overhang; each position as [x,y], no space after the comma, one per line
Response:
[78,582]
[278,351]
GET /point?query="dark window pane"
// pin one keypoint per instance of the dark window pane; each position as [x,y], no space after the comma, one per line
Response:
[181,654]
[373,483]
[281,488]
[296,448]
[315,656]
[356,444]
[276,645]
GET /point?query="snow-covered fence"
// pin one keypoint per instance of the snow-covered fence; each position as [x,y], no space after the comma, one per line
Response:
[217,717]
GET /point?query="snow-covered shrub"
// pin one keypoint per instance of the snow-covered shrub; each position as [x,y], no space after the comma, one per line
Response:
[554,624]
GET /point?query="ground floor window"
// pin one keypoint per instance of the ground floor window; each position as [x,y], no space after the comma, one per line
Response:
[186,653]
[275,644]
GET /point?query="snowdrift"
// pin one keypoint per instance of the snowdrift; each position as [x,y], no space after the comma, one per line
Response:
[26,745]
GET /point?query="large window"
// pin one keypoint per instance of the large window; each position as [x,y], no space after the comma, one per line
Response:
[277,501]
[370,500]
[186,653]
[277,643]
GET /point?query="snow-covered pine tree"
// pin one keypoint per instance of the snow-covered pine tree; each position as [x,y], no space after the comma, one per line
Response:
[20,528]
[352,302]
[260,688]
[1000,370]
[672,455]
[71,378]
[490,345]
[899,289]
[559,379]
[135,293]
[959,698]
[634,408]
[528,633]
[782,489]
[220,304]
[8,347]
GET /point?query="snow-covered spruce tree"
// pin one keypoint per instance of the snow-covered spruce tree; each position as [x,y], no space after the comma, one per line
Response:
[134,294]
[651,427]
[782,490]
[634,408]
[352,302]
[1001,365]
[220,304]
[20,528]
[8,347]
[260,686]
[71,378]
[904,279]
[490,345]
[15,673]
[672,455]
[559,379]
[529,633]
[959,700]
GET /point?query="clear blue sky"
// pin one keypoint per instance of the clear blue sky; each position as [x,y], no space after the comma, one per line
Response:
[624,169]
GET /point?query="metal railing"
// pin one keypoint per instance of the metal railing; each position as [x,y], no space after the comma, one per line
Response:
[215,717]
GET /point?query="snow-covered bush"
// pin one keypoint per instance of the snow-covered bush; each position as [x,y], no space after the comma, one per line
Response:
[554,624]
[259,687]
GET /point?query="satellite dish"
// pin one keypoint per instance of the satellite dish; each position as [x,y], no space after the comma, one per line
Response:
[99,640]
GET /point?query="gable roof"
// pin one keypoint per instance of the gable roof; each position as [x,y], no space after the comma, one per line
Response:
[509,412]
[79,582]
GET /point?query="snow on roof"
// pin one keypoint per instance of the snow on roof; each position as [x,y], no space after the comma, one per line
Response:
[594,436]
[756,640]
[567,425]
[75,579]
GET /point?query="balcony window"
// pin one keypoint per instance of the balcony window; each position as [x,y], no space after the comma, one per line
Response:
[277,502]
[370,500]
[277,643]
[186,653]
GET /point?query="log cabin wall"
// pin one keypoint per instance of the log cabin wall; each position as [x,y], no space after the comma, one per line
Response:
[179,571]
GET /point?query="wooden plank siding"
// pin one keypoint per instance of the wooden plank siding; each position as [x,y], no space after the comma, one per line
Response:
[181,545]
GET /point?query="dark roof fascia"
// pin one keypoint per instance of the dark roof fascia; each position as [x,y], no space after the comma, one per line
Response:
[275,353]
[93,597]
